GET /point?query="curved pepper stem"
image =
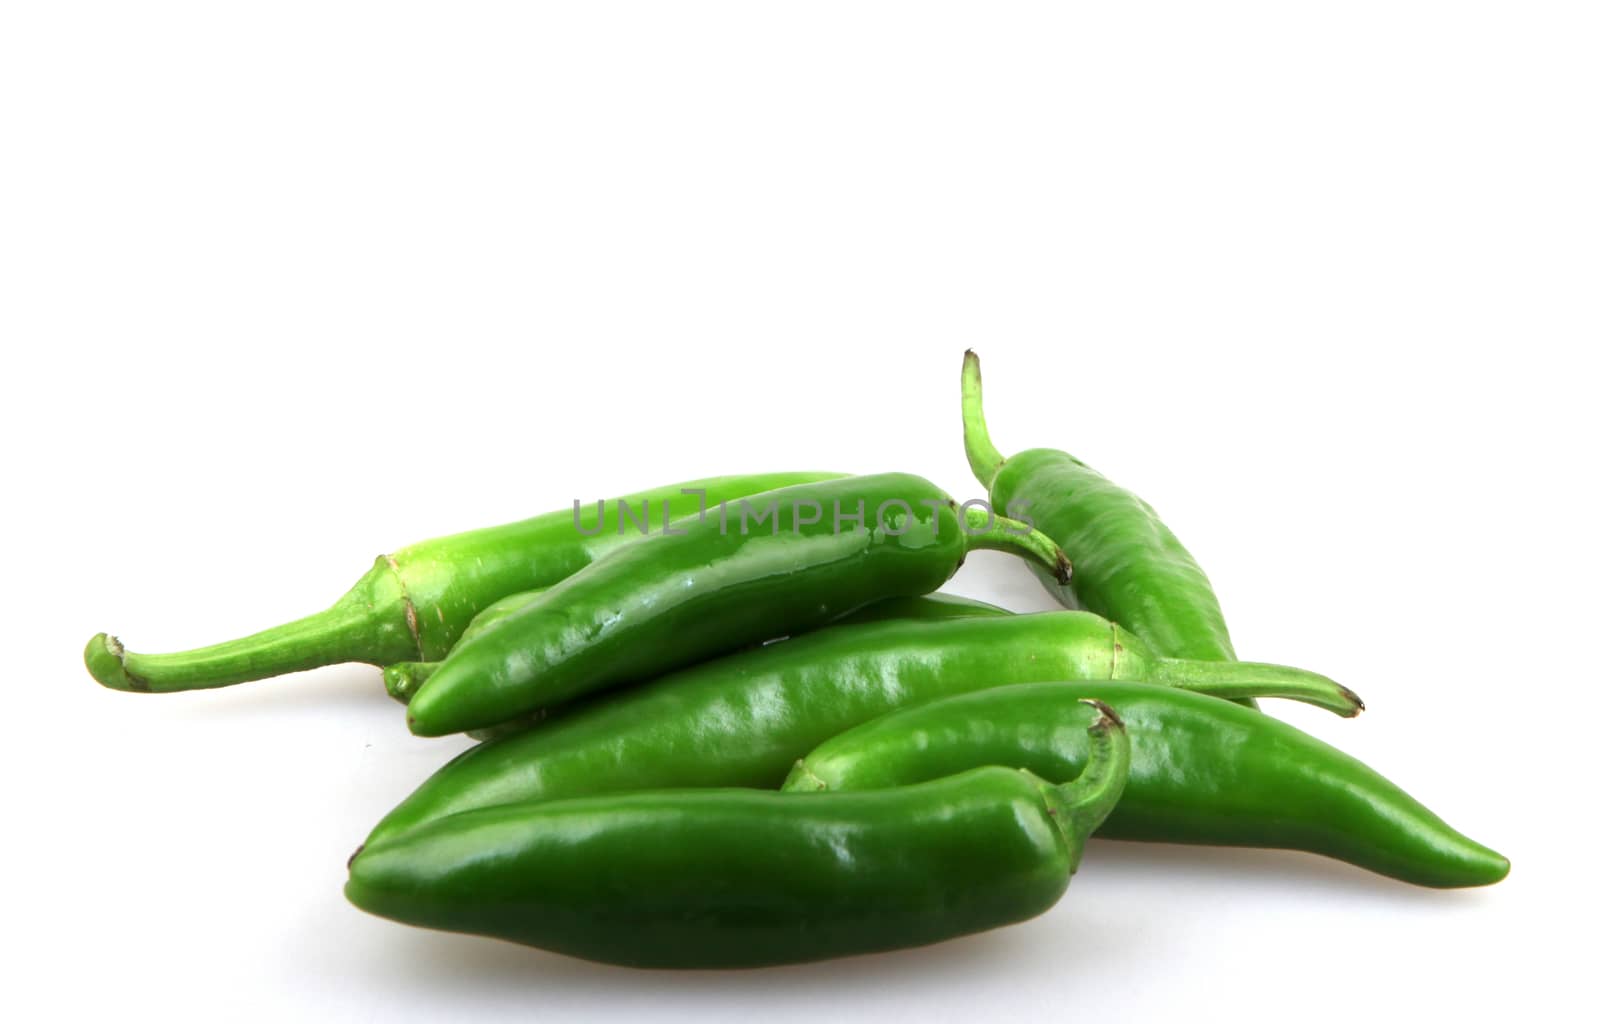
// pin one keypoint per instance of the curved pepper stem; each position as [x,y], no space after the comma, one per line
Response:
[984,458]
[1082,805]
[985,531]
[367,624]
[1235,680]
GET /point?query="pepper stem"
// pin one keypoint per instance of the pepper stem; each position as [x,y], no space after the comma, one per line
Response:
[1082,805]
[361,626]
[1232,680]
[985,531]
[984,458]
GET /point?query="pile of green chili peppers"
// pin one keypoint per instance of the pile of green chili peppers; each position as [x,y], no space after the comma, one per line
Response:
[731,724]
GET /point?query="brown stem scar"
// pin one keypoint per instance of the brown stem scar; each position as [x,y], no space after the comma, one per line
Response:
[411,609]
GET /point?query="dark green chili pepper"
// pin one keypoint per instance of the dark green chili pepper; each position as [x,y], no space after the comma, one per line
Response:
[1204,771]
[673,599]
[414,603]
[403,678]
[927,608]
[743,719]
[1129,566]
[744,878]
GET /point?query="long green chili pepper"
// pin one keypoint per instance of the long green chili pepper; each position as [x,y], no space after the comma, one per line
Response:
[743,719]
[742,878]
[928,608]
[1204,771]
[1129,566]
[673,599]
[415,603]
[403,678]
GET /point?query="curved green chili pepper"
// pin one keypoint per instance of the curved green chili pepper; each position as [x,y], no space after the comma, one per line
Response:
[403,678]
[674,599]
[1129,566]
[1204,771]
[414,603]
[927,608]
[743,878]
[743,719]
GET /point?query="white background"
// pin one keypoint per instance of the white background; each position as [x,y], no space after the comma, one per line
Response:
[286,285]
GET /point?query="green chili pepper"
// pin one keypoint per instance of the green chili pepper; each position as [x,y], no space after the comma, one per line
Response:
[403,678]
[927,608]
[674,599]
[742,878]
[1204,771]
[414,603]
[742,720]
[1129,566]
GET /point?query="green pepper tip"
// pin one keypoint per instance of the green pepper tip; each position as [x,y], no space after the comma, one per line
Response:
[1474,865]
[1356,704]
[399,682]
[103,658]
[1063,568]
[420,727]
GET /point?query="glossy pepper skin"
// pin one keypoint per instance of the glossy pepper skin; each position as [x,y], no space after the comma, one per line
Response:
[745,878]
[415,603]
[928,608]
[403,678]
[1129,567]
[1204,771]
[673,599]
[743,720]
